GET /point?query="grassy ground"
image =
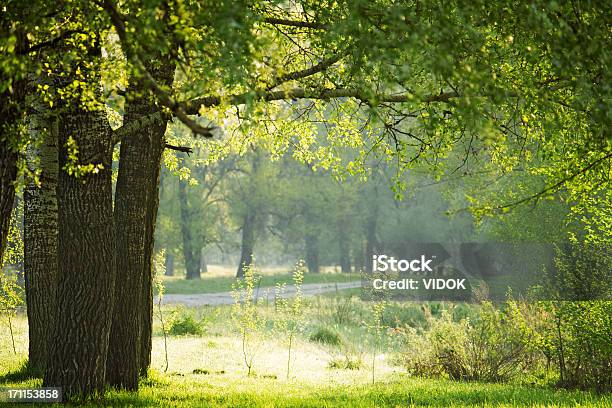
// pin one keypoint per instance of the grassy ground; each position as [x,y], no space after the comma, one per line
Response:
[208,369]
[220,279]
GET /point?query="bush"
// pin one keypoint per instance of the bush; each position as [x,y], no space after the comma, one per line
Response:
[494,347]
[182,322]
[346,363]
[326,335]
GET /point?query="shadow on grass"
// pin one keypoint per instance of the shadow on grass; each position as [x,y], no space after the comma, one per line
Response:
[23,373]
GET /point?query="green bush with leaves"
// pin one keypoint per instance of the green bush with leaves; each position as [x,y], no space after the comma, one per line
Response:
[575,332]
[183,322]
[492,347]
[326,335]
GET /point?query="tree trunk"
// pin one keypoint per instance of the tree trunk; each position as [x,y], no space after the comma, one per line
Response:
[40,240]
[312,253]
[343,249]
[203,265]
[248,243]
[86,275]
[146,311]
[135,194]
[191,254]
[370,233]
[122,365]
[169,264]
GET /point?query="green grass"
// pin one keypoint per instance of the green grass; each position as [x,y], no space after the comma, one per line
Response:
[207,370]
[214,390]
[214,284]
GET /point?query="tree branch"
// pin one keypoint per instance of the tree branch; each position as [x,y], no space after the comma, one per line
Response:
[292,76]
[183,149]
[164,98]
[138,123]
[551,189]
[52,42]
[193,106]
[294,23]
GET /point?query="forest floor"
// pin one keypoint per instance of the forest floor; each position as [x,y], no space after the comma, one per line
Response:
[208,370]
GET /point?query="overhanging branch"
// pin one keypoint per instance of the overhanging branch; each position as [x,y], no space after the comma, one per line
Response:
[164,97]
[294,23]
[192,107]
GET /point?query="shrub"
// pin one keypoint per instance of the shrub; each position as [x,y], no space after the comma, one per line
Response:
[578,331]
[494,347]
[182,323]
[346,363]
[326,335]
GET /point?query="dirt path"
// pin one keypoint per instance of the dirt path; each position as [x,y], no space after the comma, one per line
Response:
[225,298]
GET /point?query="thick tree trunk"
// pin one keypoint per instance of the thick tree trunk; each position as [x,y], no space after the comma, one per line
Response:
[40,240]
[191,253]
[312,253]
[122,366]
[86,277]
[248,243]
[135,194]
[146,308]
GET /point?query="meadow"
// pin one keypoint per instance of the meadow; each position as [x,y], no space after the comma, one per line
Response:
[331,362]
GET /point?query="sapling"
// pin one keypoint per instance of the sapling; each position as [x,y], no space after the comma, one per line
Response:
[11,297]
[378,303]
[290,316]
[245,315]
[159,270]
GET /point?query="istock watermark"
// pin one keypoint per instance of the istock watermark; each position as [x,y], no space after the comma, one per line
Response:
[475,271]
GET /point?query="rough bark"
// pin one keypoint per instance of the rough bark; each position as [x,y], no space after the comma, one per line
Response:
[146,308]
[190,251]
[312,253]
[86,273]
[135,194]
[40,240]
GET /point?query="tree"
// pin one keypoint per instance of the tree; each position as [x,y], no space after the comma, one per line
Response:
[86,274]
[138,163]
[424,75]
[40,221]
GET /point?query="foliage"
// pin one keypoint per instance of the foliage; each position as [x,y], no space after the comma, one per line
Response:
[346,363]
[246,317]
[183,322]
[493,347]
[12,297]
[326,335]
[290,311]
[575,329]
